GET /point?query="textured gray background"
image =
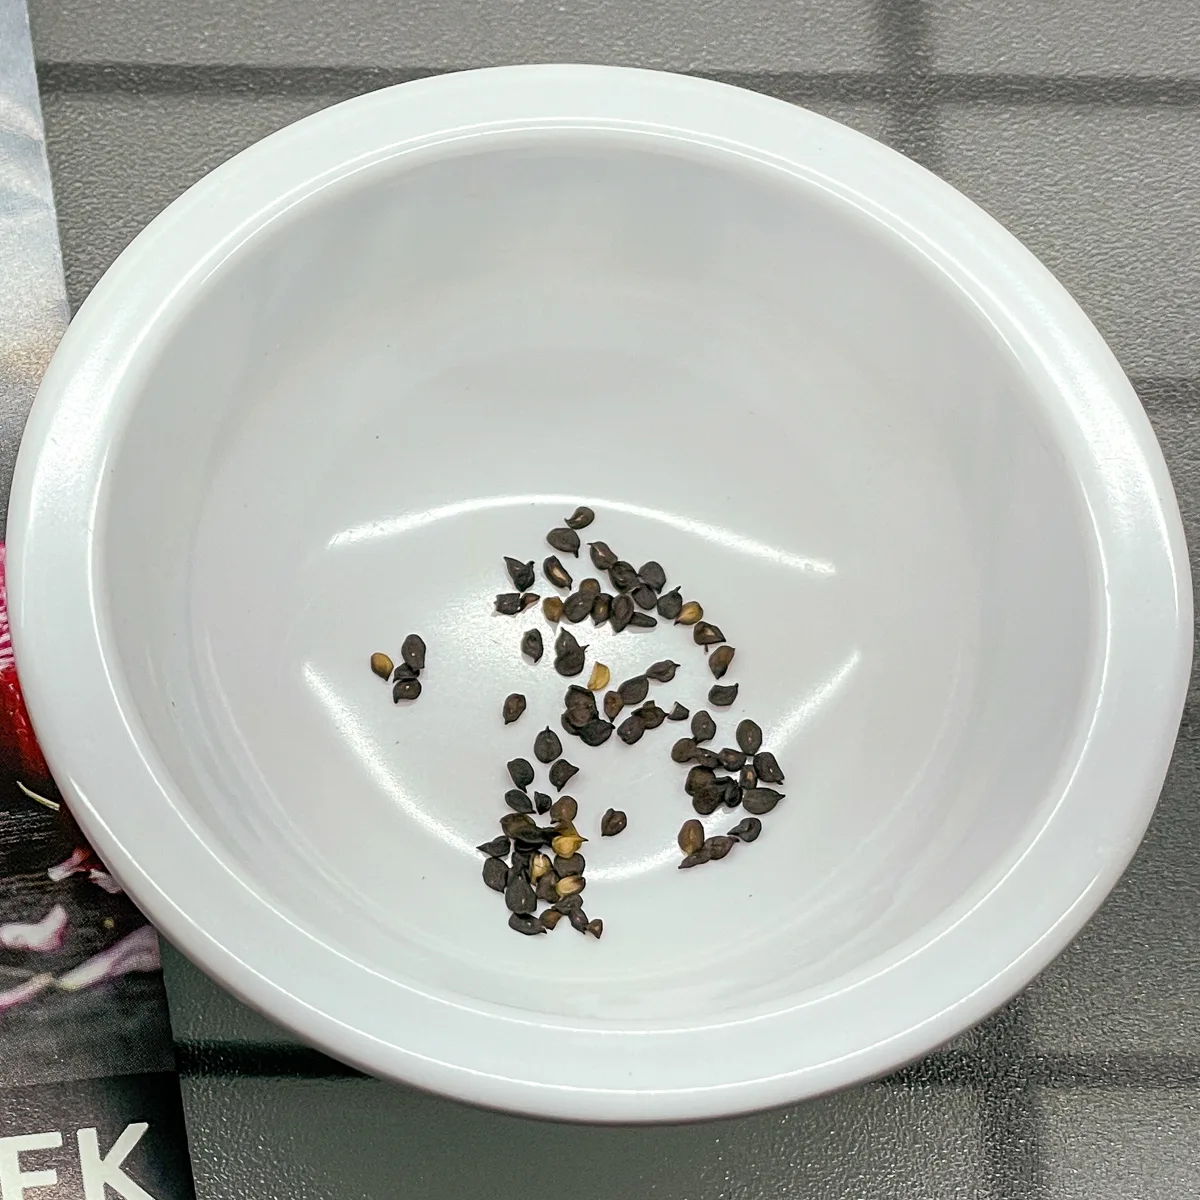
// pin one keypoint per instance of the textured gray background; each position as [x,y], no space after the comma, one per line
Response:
[1077,123]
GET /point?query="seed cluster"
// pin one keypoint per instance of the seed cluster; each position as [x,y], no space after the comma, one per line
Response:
[406,676]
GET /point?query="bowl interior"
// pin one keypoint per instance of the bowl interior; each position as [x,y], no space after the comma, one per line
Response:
[421,370]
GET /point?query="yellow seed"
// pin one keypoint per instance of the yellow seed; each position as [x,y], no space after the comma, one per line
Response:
[691,836]
[552,608]
[567,844]
[569,885]
[551,917]
[381,665]
[538,867]
[689,614]
[598,680]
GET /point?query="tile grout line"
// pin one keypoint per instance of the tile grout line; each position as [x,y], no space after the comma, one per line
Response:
[912,118]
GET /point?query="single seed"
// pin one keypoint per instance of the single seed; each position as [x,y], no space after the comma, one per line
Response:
[731,794]
[498,847]
[598,680]
[404,671]
[577,606]
[651,573]
[719,660]
[570,885]
[704,728]
[596,733]
[528,600]
[547,746]
[689,613]
[569,654]
[719,846]
[706,634]
[631,729]
[519,895]
[538,866]
[574,865]
[749,737]
[561,773]
[545,888]
[759,801]
[514,706]
[532,837]
[623,575]
[518,801]
[578,917]
[613,821]
[747,829]
[520,573]
[531,643]
[634,691]
[731,759]
[508,604]
[691,836]
[697,778]
[684,750]
[550,918]
[566,844]
[552,608]
[565,541]
[641,620]
[581,518]
[612,704]
[590,586]
[707,799]
[644,596]
[541,801]
[694,860]
[381,664]
[520,861]
[670,605]
[577,698]
[526,923]
[621,612]
[495,874]
[520,771]
[569,904]
[722,696]
[678,713]
[662,672]
[405,689]
[514,823]
[556,572]
[564,809]
[595,927]
[748,778]
[706,758]
[767,768]
[652,716]
[602,557]
[601,608]
[412,650]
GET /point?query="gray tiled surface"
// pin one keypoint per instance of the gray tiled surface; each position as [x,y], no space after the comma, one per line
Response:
[1076,124]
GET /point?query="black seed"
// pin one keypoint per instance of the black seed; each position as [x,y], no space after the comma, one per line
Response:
[566,647]
[731,794]
[578,919]
[621,612]
[747,829]
[571,663]
[495,873]
[569,729]
[631,729]
[719,660]
[601,608]
[581,518]
[719,846]
[514,706]
[533,837]
[518,801]
[704,633]
[556,572]
[612,704]
[497,848]
[552,609]
[722,695]
[635,690]
[580,704]
[644,596]
[760,800]
[589,586]
[748,778]
[694,860]
[691,836]
[521,772]
[514,823]
[602,556]
[404,671]
[547,746]
[519,895]
[545,888]
[706,758]
[670,604]
[684,750]
[520,573]
[405,689]
[707,799]
[528,600]
[569,904]
[652,716]
[678,713]
[541,802]
[704,728]
[564,810]
[550,917]
[641,620]
[749,736]
[531,644]
[520,863]
[577,606]
[662,672]
[527,924]
[413,651]
[613,821]
[731,759]
[595,927]
[595,733]
[767,768]
[575,865]
[697,778]
[623,575]
[651,573]
[561,773]
[508,603]
[565,541]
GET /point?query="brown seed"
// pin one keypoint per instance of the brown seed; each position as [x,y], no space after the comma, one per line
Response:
[577,917]
[697,778]
[749,737]
[495,874]
[538,866]
[747,829]
[498,847]
[518,801]
[601,608]
[641,620]
[652,574]
[652,716]
[623,576]
[570,885]
[691,836]
[556,572]
[404,671]
[566,844]
[694,860]
[574,865]
[531,643]
[590,586]
[595,927]
[760,800]
[381,665]
[577,606]
[514,706]
[568,654]
[547,746]
[519,895]
[731,759]
[564,540]
[520,573]
[704,728]
[631,729]
[568,904]
[545,888]
[719,660]
[707,799]
[602,556]
[689,613]
[580,703]
[706,758]
[644,596]
[412,650]
[621,612]
[731,794]
[767,768]
[520,771]
[581,518]
[613,821]
[508,604]
[552,608]
[550,918]
[527,924]
[612,704]
[561,773]
[528,600]
[599,678]
[748,778]
[684,750]
[670,605]
[596,733]
[721,695]
[662,672]
[405,689]
[634,691]
[564,809]
[678,713]
[514,823]
[706,634]
[541,801]
[719,846]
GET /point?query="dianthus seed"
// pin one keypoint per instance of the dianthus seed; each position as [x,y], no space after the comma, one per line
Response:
[634,691]
[623,576]
[556,572]
[747,829]
[564,809]
[689,613]
[547,746]
[722,696]
[749,736]
[598,680]
[706,634]
[577,606]
[719,846]
[719,660]
[495,873]
[498,847]
[601,608]
[691,836]
[514,706]
[412,650]
[405,689]
[662,672]
[678,713]
[621,612]
[516,799]
[631,729]
[641,620]
[652,574]
[602,556]
[564,540]
[684,750]
[531,644]
[767,768]
[612,704]
[541,801]
[552,608]
[595,733]
[508,604]
[731,759]
[581,518]
[561,773]
[381,665]
[759,801]
[613,821]
[704,728]
[520,573]
[644,596]
[526,923]
[520,770]
[670,605]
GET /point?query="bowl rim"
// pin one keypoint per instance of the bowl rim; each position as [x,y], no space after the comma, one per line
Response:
[969,964]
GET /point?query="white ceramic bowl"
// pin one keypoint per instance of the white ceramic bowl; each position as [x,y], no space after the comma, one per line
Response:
[315,402]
